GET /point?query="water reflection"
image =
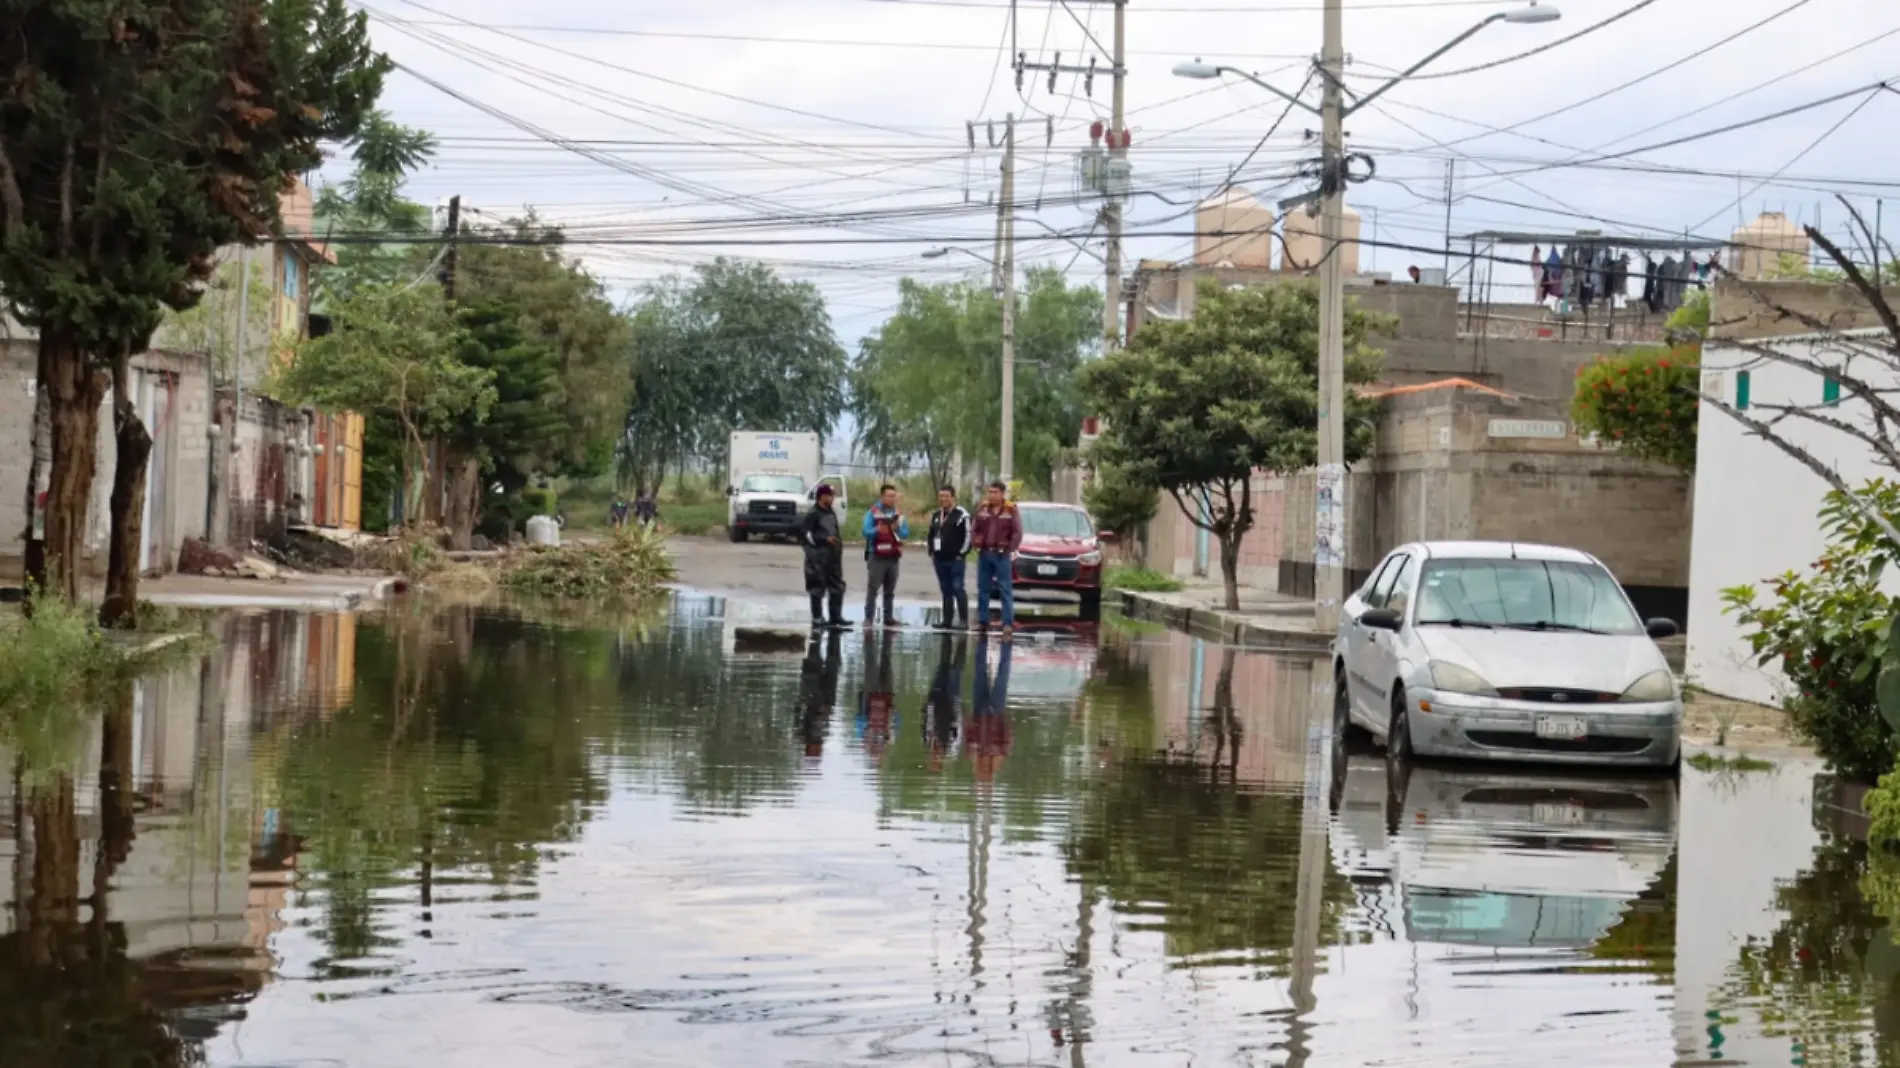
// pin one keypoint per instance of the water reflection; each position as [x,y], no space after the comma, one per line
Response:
[471,836]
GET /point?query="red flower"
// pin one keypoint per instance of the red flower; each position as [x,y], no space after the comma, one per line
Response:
[1663,363]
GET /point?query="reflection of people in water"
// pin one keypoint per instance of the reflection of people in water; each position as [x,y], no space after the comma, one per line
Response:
[877,701]
[986,733]
[943,707]
[818,692]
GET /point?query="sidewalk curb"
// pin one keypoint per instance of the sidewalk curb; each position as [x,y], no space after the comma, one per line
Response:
[1231,628]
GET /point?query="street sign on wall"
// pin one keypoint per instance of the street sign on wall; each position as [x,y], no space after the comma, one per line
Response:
[1542,429]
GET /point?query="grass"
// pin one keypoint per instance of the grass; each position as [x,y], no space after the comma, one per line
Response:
[1713,762]
[1140,580]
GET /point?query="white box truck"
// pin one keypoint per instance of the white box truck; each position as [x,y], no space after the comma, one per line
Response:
[773,478]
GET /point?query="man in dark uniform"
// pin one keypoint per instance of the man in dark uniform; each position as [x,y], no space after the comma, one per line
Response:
[824,560]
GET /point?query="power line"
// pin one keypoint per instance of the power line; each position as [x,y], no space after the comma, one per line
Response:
[1798,157]
[823,42]
[1528,53]
[1638,80]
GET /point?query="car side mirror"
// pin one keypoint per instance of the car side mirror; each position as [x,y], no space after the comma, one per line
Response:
[1381,619]
[1106,537]
[730,492]
[1660,628]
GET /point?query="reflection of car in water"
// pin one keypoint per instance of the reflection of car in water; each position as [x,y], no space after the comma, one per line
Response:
[1500,858]
[1054,658]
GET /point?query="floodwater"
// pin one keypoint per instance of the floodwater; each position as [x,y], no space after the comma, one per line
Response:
[475,837]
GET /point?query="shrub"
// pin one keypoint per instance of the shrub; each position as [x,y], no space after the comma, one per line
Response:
[1123,505]
[1643,402]
[1827,631]
[55,658]
[633,561]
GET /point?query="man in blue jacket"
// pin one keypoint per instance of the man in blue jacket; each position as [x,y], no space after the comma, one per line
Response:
[885,529]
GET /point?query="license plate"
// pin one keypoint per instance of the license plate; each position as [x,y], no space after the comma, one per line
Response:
[1557,815]
[1561,728]
[1046,569]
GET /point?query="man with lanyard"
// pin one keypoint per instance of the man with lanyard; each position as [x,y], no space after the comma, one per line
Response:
[998,529]
[949,544]
[824,560]
[885,529]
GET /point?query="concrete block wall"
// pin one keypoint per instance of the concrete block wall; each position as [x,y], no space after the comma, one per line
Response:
[184,439]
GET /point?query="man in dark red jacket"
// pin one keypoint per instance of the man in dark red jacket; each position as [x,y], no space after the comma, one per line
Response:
[997,532]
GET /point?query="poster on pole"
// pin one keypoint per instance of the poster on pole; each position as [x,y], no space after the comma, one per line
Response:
[1329,529]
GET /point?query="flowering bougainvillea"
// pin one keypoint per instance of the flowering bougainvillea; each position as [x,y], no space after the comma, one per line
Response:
[1643,402]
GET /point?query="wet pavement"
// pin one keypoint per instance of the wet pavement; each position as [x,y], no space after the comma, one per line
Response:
[525,836]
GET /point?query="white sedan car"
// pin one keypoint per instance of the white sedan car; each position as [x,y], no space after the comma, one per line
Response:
[1505,651]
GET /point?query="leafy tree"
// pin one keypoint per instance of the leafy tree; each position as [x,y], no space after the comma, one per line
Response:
[136,139]
[1641,402]
[524,424]
[370,201]
[930,378]
[1124,504]
[561,306]
[394,352]
[734,348]
[1197,406]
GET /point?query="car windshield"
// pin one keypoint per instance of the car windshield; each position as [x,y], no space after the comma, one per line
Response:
[1056,523]
[772,484]
[1524,594]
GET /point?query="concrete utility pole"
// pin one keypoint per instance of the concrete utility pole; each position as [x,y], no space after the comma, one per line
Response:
[1112,205]
[451,233]
[1006,268]
[1329,527]
[1329,568]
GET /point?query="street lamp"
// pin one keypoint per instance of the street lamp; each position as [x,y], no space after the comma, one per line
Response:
[1329,528]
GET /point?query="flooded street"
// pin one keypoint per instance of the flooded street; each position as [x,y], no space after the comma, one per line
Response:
[468,837]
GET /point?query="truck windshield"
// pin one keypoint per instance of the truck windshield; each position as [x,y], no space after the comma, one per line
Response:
[772,484]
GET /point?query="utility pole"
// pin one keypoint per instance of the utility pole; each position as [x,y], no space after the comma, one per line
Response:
[1112,205]
[1329,541]
[453,232]
[1007,269]
[1451,183]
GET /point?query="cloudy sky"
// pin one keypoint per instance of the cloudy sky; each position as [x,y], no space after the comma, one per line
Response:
[829,137]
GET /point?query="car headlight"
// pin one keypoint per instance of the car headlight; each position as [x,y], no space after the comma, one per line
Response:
[1455,679]
[1089,559]
[1653,687]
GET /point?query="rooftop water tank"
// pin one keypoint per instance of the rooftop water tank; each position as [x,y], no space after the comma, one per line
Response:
[1236,213]
[1304,248]
[1761,245]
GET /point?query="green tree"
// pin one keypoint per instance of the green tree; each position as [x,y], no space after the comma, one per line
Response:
[394,352]
[1197,406]
[930,379]
[370,202]
[523,426]
[131,151]
[733,348]
[562,306]
[1124,504]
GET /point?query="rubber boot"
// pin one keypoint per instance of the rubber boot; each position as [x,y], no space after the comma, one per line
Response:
[817,610]
[837,611]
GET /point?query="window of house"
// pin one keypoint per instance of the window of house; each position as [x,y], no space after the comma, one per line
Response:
[1741,390]
[291,267]
[1831,390]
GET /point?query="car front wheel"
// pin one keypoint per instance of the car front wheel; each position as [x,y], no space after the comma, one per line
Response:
[1398,735]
